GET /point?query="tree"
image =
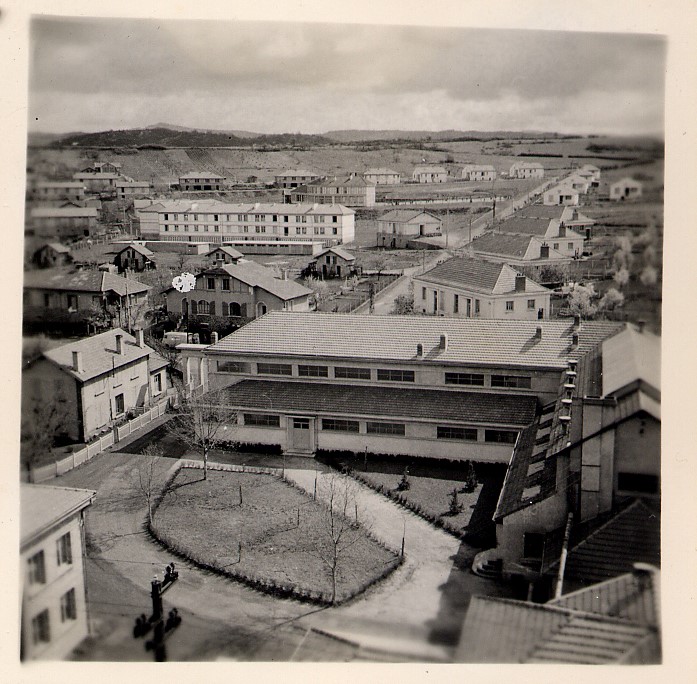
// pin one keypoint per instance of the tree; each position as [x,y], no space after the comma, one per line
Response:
[581,301]
[319,288]
[611,300]
[649,275]
[201,421]
[338,534]
[455,506]
[470,482]
[43,422]
[147,475]
[621,276]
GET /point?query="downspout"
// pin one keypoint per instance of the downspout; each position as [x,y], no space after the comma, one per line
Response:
[562,558]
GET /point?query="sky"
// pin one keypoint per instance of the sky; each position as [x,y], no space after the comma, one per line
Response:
[100,74]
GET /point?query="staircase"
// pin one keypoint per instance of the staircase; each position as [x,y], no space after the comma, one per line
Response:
[491,569]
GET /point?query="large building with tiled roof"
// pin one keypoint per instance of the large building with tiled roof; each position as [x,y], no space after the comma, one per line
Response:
[292,178]
[244,289]
[473,288]
[409,373]
[95,381]
[218,222]
[201,181]
[430,174]
[478,172]
[350,191]
[52,549]
[398,227]
[63,222]
[518,250]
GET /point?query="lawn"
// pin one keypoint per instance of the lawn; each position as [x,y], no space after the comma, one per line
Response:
[277,540]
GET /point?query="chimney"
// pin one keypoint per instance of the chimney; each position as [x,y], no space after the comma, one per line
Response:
[140,338]
[214,337]
[562,230]
[119,344]
[538,333]
[77,361]
[577,321]
[443,342]
[544,251]
[419,350]
[641,325]
[574,340]
[520,283]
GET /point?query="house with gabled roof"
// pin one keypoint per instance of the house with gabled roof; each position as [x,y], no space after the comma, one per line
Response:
[352,190]
[97,380]
[430,174]
[460,389]
[128,188]
[98,182]
[58,191]
[478,172]
[626,189]
[526,170]
[333,262]
[382,176]
[397,228]
[241,290]
[63,222]
[518,250]
[134,257]
[556,233]
[473,288]
[563,194]
[52,254]
[292,178]
[200,181]
[224,255]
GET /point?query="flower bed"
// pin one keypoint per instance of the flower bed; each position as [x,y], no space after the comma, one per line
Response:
[276,540]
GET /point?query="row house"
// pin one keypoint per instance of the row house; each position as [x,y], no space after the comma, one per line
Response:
[218,222]
[520,250]
[526,170]
[58,191]
[52,549]
[198,181]
[383,176]
[97,380]
[397,228]
[430,174]
[474,288]
[350,191]
[292,178]
[240,290]
[63,222]
[128,188]
[460,389]
[478,172]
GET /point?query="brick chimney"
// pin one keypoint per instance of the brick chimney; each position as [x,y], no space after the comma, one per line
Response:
[520,283]
[419,350]
[544,251]
[577,321]
[538,333]
[77,361]
[443,342]
[574,340]
[562,230]
[119,344]
[140,338]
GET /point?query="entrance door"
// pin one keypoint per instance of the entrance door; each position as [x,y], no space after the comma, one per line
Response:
[301,434]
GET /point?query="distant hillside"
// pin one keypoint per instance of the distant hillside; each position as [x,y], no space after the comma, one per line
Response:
[350,136]
[167,137]
[187,129]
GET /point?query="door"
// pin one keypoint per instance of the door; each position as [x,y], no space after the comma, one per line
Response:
[301,434]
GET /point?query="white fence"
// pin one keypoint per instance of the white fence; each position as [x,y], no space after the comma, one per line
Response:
[76,458]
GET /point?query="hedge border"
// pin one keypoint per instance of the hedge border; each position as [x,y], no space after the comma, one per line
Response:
[261,584]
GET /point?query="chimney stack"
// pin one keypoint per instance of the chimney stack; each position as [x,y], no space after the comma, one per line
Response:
[140,338]
[544,251]
[419,350]
[574,340]
[538,333]
[577,321]
[443,342]
[214,337]
[562,230]
[77,361]
[119,344]
[520,283]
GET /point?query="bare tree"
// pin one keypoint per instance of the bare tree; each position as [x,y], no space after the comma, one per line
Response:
[42,422]
[338,532]
[147,474]
[202,421]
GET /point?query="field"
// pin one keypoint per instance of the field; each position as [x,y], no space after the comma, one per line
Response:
[265,532]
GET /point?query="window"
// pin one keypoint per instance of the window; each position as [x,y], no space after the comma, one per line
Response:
[423,293]
[335,219]
[386,429]
[225,285]
[274,369]
[501,436]
[37,569]
[118,404]
[456,303]
[210,283]
[68,607]
[518,381]
[533,545]
[236,309]
[476,379]
[47,299]
[449,432]
[158,382]
[395,375]
[352,373]
[64,552]
[313,371]
[203,306]
[637,482]
[476,307]
[233,367]
[40,629]
[72,302]
[509,305]
[262,420]
[570,245]
[337,425]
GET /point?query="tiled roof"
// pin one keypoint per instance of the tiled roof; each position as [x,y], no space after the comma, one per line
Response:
[296,172]
[381,172]
[525,226]
[42,506]
[131,181]
[352,180]
[156,362]
[631,536]
[626,181]
[394,338]
[98,354]
[339,251]
[259,276]
[230,251]
[514,246]
[629,357]
[404,215]
[215,206]
[527,165]
[325,398]
[542,211]
[84,175]
[479,275]
[136,248]
[429,169]
[64,212]
[478,167]
[201,174]
[86,280]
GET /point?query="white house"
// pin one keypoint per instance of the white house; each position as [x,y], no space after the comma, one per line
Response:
[350,191]
[519,250]
[474,288]
[478,172]
[526,170]
[52,549]
[564,195]
[625,189]
[579,183]
[398,227]
[292,178]
[383,176]
[430,174]
[197,181]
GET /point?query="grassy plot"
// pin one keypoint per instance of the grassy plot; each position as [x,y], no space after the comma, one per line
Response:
[263,531]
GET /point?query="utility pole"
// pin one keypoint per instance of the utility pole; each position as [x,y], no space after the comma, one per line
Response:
[156,621]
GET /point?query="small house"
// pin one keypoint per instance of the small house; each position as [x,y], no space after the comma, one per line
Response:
[333,262]
[223,255]
[398,227]
[525,170]
[383,176]
[52,254]
[430,174]
[478,172]
[134,257]
[625,189]
[562,195]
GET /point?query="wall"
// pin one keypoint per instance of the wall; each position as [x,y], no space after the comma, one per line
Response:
[59,579]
